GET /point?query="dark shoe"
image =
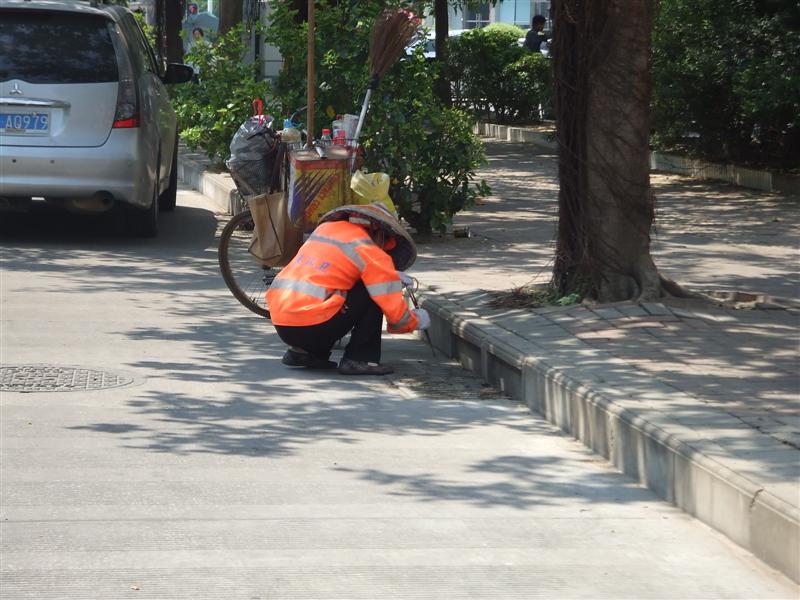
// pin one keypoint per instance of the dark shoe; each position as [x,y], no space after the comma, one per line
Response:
[358,367]
[292,358]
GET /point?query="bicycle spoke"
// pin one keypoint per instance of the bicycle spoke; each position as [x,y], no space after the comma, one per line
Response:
[244,275]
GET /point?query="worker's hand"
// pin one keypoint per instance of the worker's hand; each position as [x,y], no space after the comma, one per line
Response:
[423,318]
[406,280]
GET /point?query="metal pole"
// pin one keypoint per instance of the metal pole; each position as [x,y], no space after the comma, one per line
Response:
[310,76]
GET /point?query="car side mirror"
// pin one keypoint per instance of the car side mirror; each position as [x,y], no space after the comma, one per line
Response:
[177,73]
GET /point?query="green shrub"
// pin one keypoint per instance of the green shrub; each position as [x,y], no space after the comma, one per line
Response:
[211,110]
[726,75]
[505,29]
[429,152]
[529,85]
[496,77]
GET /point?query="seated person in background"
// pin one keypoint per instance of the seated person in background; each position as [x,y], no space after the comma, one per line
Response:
[344,279]
[536,36]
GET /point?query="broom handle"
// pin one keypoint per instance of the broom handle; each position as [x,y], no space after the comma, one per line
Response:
[310,76]
[371,85]
[354,159]
[362,116]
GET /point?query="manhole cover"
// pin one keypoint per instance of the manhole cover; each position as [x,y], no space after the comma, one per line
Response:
[48,378]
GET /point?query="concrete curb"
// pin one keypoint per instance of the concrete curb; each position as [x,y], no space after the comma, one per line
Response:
[750,178]
[516,134]
[749,515]
[659,161]
[217,187]
[681,474]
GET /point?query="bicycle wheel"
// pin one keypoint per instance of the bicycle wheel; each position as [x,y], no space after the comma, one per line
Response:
[246,278]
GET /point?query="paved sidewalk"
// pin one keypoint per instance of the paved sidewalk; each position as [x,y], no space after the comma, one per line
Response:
[710,396]
[698,404]
[219,474]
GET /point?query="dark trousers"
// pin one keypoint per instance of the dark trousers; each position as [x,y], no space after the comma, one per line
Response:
[359,315]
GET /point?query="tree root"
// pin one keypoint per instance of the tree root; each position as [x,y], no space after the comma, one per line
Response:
[676,290]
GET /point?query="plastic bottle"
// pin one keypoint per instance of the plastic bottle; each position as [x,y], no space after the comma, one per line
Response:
[326,139]
[290,133]
[338,123]
[340,139]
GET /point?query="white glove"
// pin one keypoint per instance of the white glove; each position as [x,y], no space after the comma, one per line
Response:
[423,318]
[405,279]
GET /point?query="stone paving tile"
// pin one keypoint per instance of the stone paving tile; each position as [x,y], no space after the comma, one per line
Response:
[640,324]
[608,313]
[655,308]
[632,310]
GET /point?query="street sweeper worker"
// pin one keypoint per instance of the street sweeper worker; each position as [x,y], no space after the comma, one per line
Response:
[345,278]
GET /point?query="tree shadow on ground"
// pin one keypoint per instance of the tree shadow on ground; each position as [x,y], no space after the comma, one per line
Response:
[515,481]
[242,403]
[707,235]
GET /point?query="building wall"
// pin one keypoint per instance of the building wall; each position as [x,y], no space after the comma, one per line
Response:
[271,60]
[518,12]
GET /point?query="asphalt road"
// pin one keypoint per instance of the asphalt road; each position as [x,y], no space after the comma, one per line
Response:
[214,472]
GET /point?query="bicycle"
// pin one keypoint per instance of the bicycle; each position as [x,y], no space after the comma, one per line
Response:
[246,278]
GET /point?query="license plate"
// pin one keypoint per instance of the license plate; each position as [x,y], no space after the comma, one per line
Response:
[25,123]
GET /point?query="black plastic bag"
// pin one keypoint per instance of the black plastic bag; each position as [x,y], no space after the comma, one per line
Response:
[254,150]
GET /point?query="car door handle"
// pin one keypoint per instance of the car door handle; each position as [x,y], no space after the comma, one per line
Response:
[33,102]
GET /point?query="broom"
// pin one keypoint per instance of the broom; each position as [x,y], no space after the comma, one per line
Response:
[391,33]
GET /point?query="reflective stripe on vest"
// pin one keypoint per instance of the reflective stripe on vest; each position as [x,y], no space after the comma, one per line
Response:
[304,287]
[379,289]
[349,248]
[403,320]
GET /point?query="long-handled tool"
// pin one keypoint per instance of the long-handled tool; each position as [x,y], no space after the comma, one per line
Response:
[312,31]
[391,33]
[413,297]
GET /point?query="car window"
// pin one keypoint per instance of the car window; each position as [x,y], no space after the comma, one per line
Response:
[54,47]
[139,44]
[151,55]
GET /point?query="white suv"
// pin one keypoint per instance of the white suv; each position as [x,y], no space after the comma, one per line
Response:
[85,117]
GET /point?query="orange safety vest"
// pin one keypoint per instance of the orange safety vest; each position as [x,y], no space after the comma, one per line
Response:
[312,288]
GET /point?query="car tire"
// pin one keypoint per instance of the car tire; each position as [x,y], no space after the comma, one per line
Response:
[166,202]
[143,223]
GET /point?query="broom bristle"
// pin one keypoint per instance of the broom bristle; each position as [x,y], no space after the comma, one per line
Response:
[389,37]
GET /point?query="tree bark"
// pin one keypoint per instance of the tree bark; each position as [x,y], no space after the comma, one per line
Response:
[442,19]
[172,32]
[606,205]
[230,15]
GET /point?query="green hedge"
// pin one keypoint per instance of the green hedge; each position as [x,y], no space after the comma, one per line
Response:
[726,80]
[497,78]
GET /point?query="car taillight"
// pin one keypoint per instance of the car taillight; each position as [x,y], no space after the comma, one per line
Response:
[126,123]
[127,112]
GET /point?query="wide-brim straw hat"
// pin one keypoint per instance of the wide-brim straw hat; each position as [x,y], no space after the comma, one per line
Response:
[404,253]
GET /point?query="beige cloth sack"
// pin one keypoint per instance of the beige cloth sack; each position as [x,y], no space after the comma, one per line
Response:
[275,241]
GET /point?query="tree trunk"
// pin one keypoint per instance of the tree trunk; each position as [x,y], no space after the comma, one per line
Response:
[230,15]
[606,205]
[172,29]
[442,19]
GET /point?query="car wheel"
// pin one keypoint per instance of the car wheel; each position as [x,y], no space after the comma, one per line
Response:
[144,222]
[166,202]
